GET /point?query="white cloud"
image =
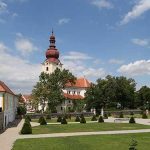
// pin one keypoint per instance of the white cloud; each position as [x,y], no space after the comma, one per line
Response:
[140,67]
[116,61]
[3,7]
[102,4]
[24,45]
[63,21]
[74,55]
[140,8]
[141,42]
[18,73]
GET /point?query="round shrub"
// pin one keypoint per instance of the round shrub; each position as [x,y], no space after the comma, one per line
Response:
[121,115]
[59,118]
[132,120]
[77,119]
[26,129]
[100,120]
[94,118]
[144,116]
[82,120]
[105,116]
[63,120]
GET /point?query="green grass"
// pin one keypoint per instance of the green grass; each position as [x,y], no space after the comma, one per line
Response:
[92,142]
[86,127]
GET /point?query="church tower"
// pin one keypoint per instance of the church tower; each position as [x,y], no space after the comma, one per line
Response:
[52,57]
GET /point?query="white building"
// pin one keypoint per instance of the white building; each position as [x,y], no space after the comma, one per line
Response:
[8,103]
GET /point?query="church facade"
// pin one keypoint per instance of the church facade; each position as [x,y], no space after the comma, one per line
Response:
[71,92]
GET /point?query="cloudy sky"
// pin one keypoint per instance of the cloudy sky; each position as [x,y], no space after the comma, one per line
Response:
[95,38]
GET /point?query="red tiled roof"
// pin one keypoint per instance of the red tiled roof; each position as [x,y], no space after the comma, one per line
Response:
[73,97]
[80,83]
[5,88]
[26,97]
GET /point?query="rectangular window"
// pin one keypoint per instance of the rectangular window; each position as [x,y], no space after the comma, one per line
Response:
[46,68]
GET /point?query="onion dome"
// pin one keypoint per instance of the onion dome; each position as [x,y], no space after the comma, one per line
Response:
[52,54]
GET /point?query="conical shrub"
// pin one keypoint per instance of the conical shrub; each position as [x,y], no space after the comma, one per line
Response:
[63,120]
[59,118]
[105,116]
[77,119]
[82,120]
[121,115]
[26,129]
[132,120]
[94,118]
[42,121]
[144,116]
[100,120]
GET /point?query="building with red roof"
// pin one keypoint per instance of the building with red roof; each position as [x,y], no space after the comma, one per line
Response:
[8,104]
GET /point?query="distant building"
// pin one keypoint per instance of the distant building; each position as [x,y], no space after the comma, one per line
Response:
[28,103]
[8,104]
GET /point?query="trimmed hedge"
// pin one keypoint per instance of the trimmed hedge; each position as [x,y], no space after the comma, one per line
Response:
[82,120]
[42,121]
[26,129]
[105,116]
[59,118]
[94,118]
[63,120]
[144,116]
[100,120]
[121,115]
[77,119]
[28,117]
[132,120]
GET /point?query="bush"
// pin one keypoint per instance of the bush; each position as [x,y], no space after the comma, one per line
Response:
[121,115]
[132,120]
[40,119]
[48,117]
[63,120]
[144,116]
[105,116]
[94,118]
[82,120]
[109,114]
[59,118]
[26,129]
[77,119]
[43,121]
[65,116]
[28,117]
[21,110]
[100,120]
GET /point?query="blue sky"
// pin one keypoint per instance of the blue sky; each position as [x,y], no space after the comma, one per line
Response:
[95,38]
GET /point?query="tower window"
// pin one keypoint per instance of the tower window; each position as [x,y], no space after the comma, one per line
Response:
[46,68]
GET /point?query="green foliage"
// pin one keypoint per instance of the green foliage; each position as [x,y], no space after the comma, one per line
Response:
[133,145]
[21,110]
[63,120]
[82,120]
[121,115]
[78,105]
[28,117]
[131,113]
[49,88]
[110,91]
[26,129]
[100,120]
[94,118]
[59,118]
[42,121]
[77,119]
[132,120]
[144,116]
[48,116]
[105,116]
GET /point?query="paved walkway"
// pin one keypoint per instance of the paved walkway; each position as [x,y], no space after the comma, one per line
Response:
[8,138]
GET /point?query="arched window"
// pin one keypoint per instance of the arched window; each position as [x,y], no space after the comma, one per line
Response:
[46,68]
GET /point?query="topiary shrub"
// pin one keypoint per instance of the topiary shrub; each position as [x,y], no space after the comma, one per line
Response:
[77,119]
[40,119]
[105,116]
[43,121]
[82,120]
[94,118]
[28,117]
[59,118]
[132,120]
[63,120]
[48,117]
[26,129]
[144,116]
[100,120]
[109,114]
[121,115]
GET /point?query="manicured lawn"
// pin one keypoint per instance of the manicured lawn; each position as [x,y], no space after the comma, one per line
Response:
[96,142]
[88,127]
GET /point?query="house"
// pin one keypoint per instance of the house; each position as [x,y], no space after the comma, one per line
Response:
[8,104]
[27,101]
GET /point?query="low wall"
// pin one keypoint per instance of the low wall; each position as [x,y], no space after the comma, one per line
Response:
[1,120]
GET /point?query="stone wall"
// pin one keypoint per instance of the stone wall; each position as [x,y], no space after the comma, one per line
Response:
[1,120]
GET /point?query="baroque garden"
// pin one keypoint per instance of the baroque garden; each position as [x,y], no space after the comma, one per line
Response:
[65,112]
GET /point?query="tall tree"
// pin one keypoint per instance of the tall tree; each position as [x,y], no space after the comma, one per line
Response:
[49,88]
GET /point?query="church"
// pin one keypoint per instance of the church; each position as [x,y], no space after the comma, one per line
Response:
[71,92]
